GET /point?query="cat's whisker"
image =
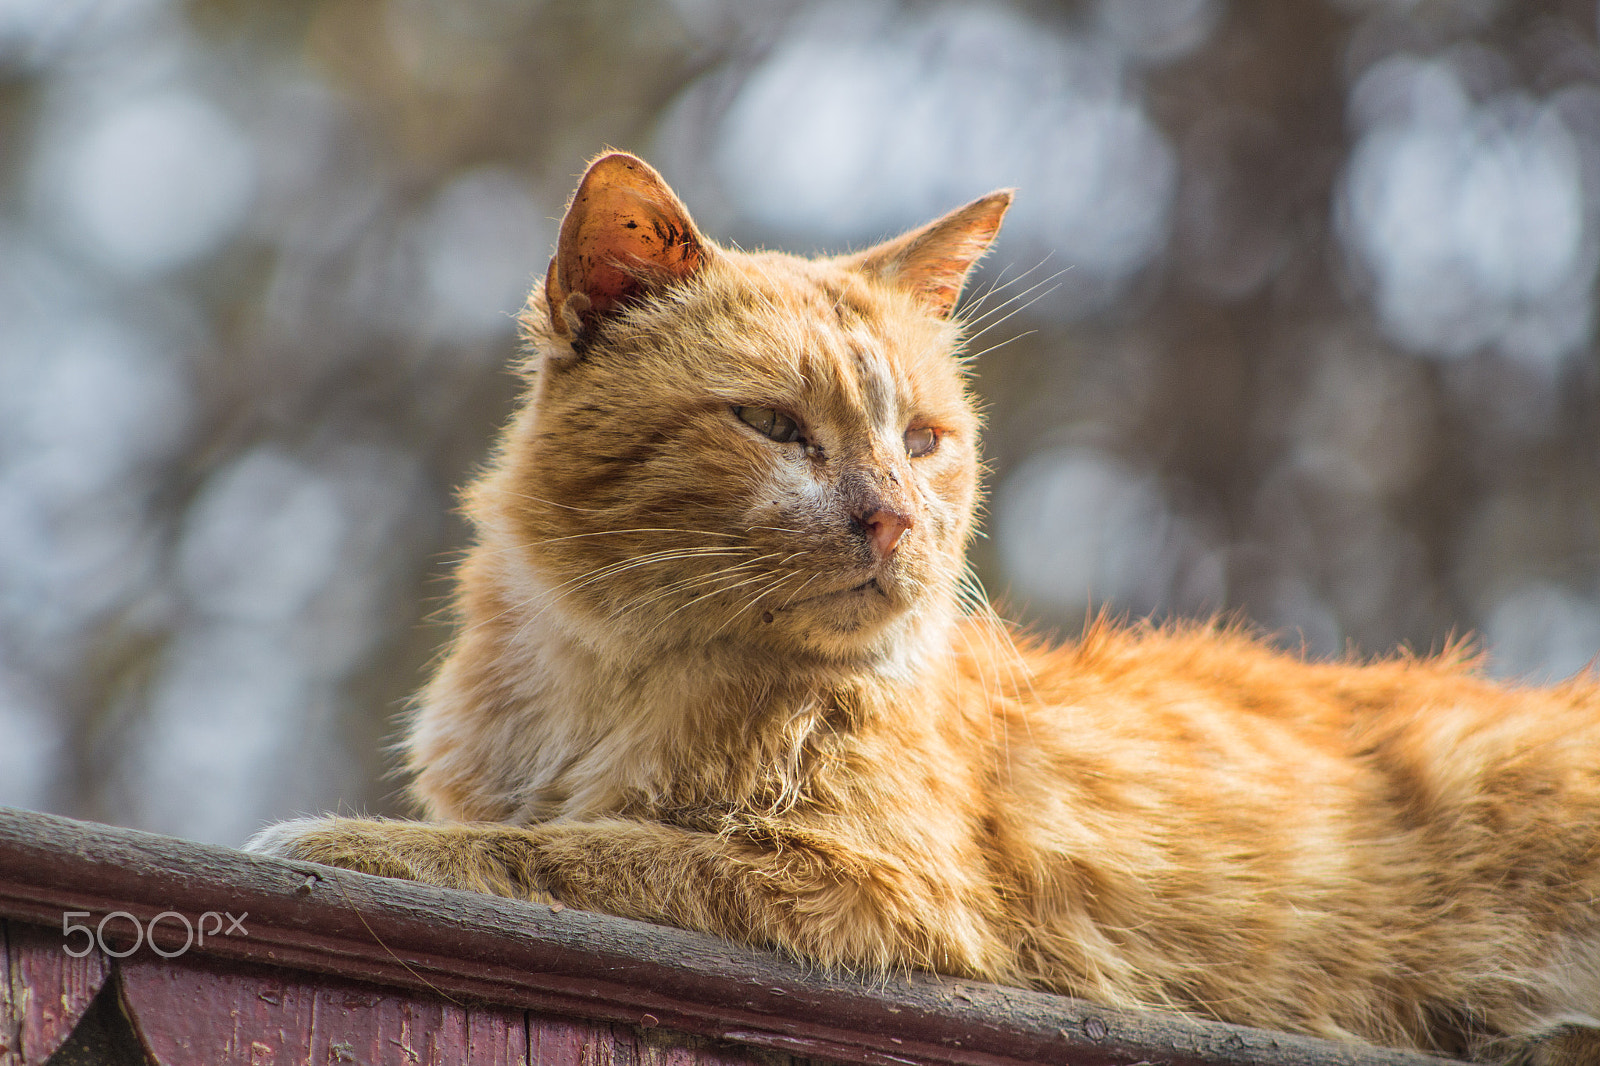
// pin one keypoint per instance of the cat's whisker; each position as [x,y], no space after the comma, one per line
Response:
[997,636]
[723,591]
[988,697]
[972,357]
[802,587]
[554,503]
[999,632]
[553,595]
[995,316]
[768,562]
[999,729]
[589,578]
[666,590]
[717,580]
[775,582]
[784,562]
[622,532]
[752,602]
[780,563]
[1018,301]
[698,579]
[636,602]
[673,530]
[731,570]
[632,562]
[996,284]
[760,594]
[695,581]
[969,338]
[1000,284]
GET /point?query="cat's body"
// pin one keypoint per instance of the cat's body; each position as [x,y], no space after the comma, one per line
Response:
[715,670]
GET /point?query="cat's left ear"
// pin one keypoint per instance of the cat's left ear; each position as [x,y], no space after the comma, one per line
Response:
[933,262]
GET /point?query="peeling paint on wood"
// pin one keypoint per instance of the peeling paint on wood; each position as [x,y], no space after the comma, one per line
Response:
[43,991]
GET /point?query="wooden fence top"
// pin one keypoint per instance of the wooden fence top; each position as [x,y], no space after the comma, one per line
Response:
[474,951]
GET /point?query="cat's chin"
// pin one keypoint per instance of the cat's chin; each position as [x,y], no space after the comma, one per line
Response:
[856,625]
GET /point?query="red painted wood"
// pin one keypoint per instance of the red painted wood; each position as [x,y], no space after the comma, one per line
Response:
[200,1013]
[558,1042]
[678,1055]
[723,1055]
[650,1045]
[43,991]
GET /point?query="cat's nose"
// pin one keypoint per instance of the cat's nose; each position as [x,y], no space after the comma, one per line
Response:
[883,527]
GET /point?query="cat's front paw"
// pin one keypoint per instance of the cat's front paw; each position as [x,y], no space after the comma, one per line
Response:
[352,844]
[287,840]
[498,860]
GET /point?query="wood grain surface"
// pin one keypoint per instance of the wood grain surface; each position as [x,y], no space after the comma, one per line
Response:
[44,991]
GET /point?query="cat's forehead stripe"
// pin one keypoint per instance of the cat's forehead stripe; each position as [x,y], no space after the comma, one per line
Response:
[877,385]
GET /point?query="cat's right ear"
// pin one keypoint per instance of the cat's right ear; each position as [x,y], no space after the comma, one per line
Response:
[933,262]
[625,233]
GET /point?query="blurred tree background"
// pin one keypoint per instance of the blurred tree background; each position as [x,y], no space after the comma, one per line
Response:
[1303,326]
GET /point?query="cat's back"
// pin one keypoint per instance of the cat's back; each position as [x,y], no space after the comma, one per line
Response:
[1210,733]
[1211,744]
[1179,683]
[1171,738]
[1212,798]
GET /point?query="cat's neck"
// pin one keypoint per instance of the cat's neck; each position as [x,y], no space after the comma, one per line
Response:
[610,722]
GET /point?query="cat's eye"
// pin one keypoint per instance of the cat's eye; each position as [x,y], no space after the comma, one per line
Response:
[769,423]
[920,440]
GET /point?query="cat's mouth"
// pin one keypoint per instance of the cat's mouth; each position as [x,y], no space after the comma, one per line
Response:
[867,587]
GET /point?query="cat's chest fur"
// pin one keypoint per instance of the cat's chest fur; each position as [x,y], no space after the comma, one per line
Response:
[528,722]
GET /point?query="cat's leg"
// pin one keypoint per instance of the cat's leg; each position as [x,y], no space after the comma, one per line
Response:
[451,856]
[803,892]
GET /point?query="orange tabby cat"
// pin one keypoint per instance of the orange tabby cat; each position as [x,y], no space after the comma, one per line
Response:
[716,669]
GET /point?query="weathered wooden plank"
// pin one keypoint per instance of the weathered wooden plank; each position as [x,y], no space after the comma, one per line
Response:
[657,1049]
[564,1042]
[653,1046]
[204,1012]
[585,965]
[497,1038]
[11,993]
[561,1041]
[44,991]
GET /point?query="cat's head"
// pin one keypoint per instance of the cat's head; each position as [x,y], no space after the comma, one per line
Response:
[762,452]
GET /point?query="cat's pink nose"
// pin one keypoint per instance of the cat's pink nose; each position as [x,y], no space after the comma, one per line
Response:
[884,528]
